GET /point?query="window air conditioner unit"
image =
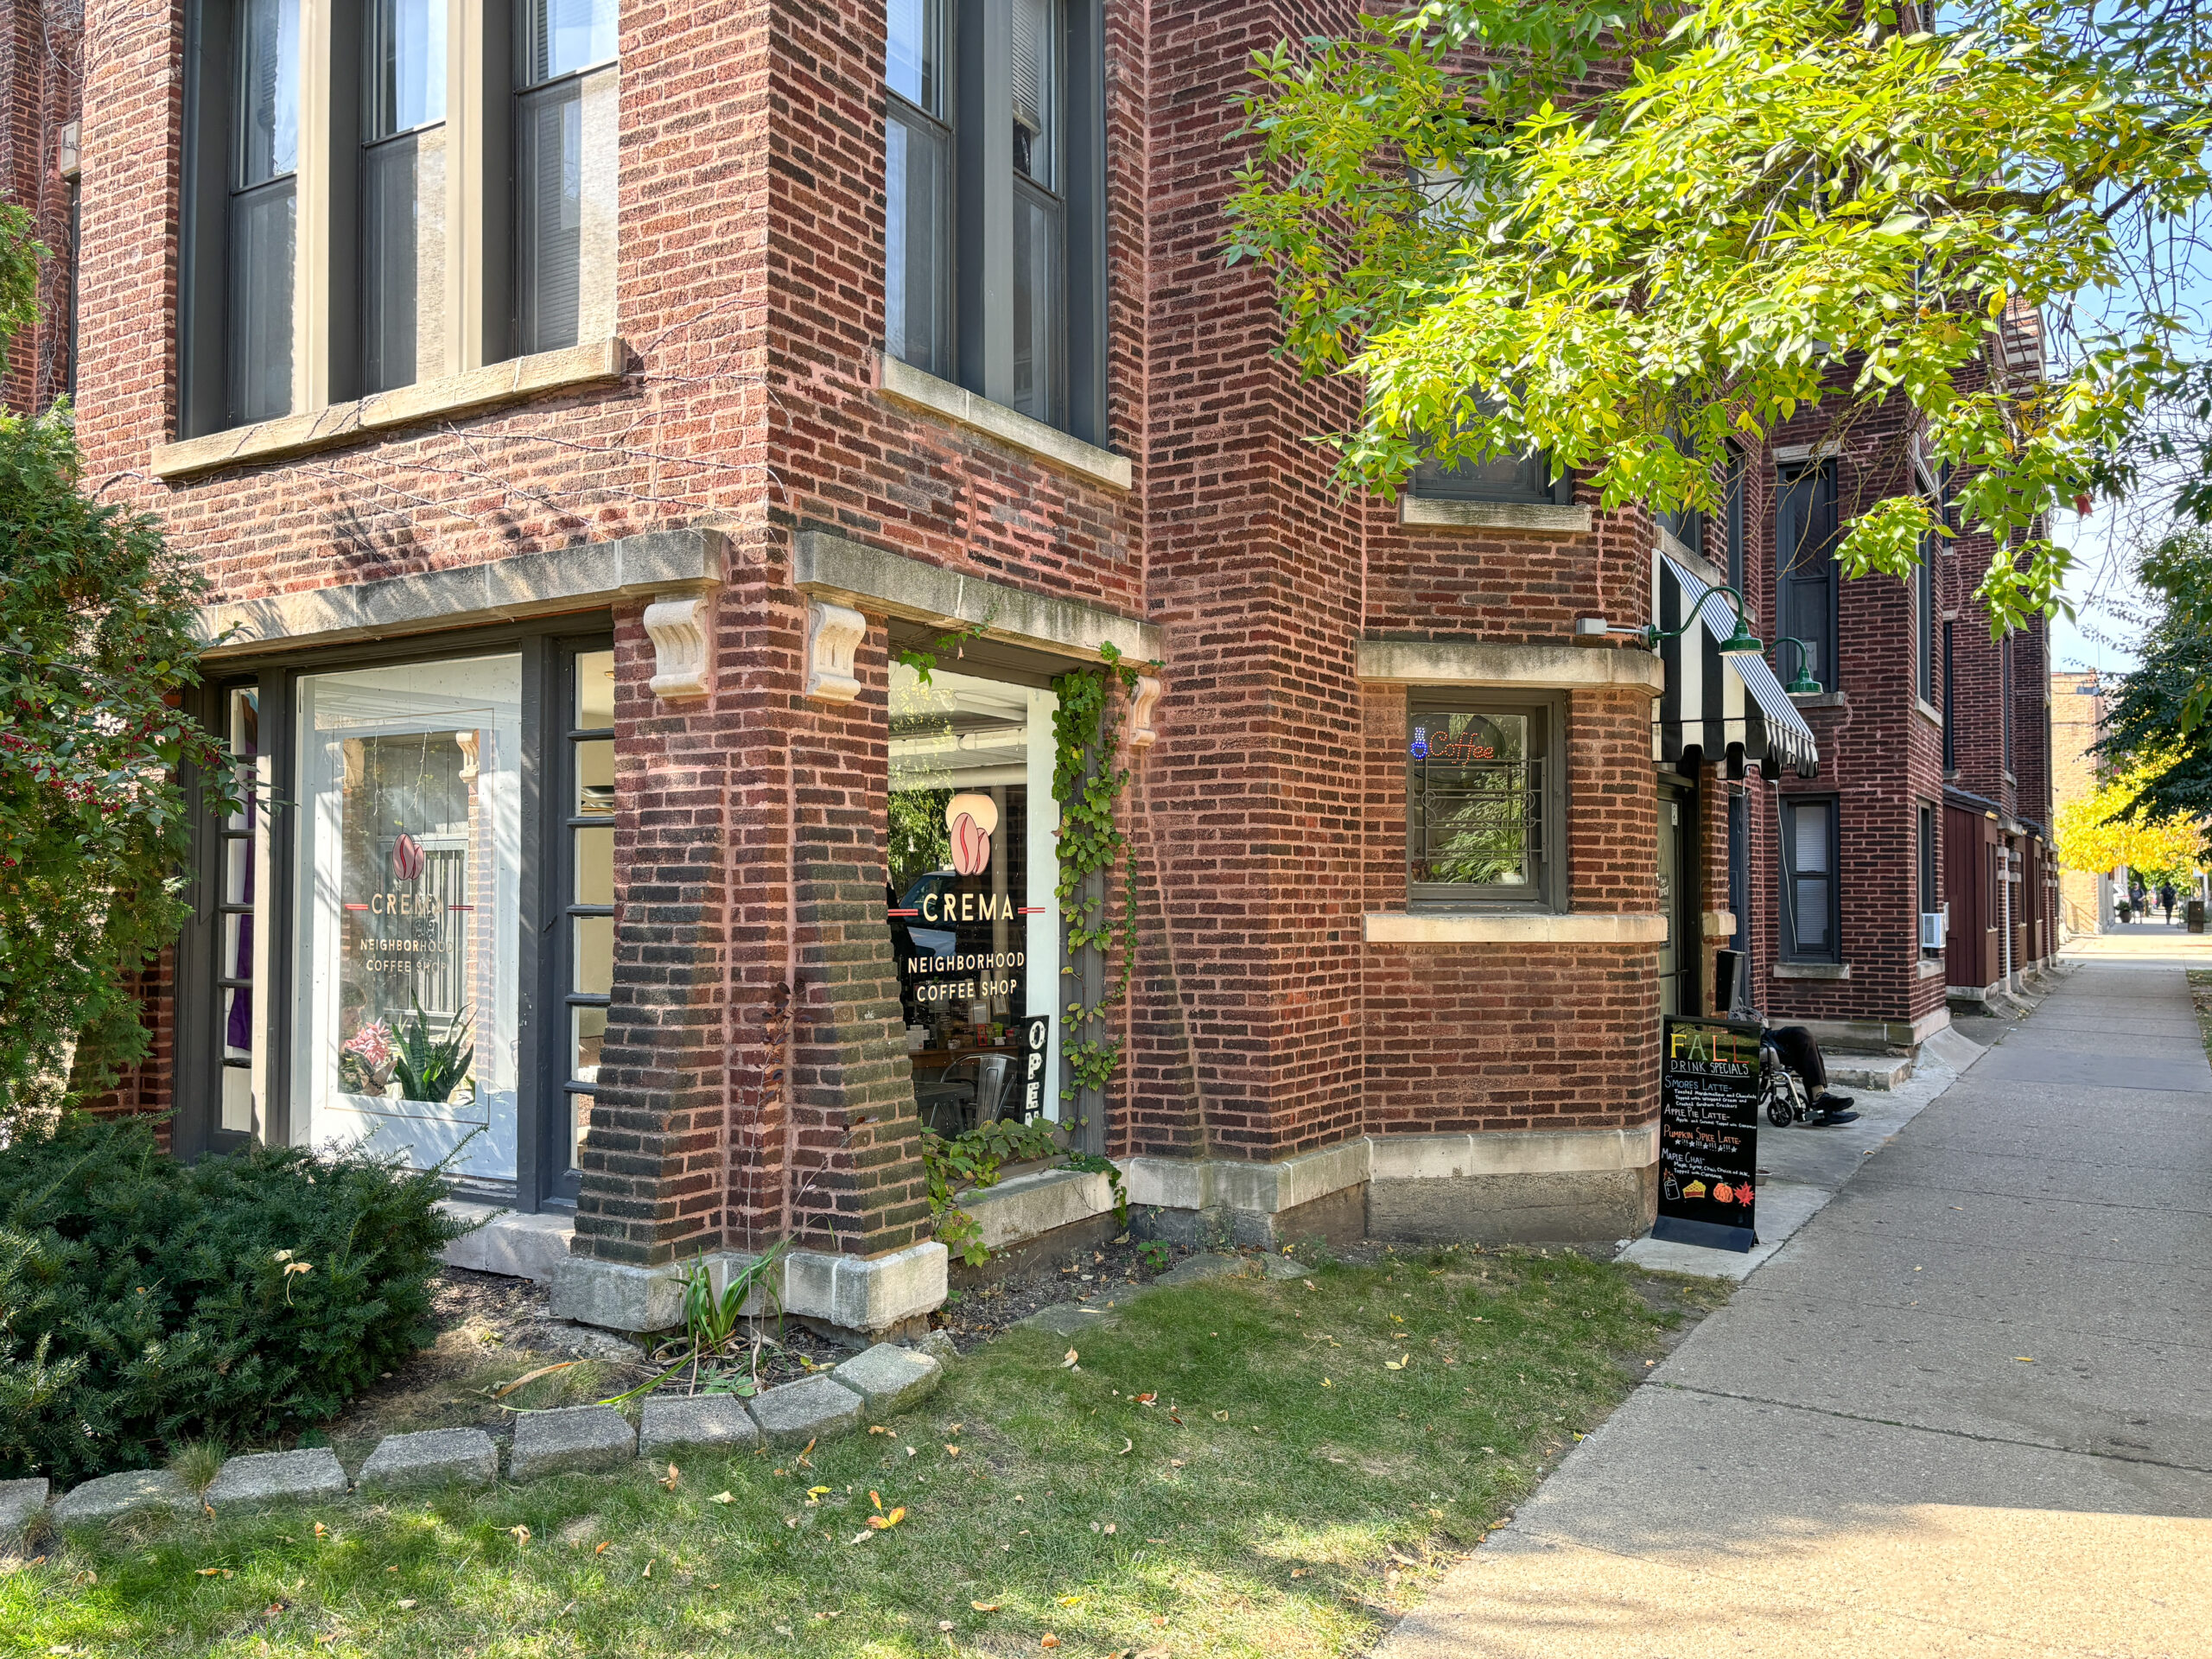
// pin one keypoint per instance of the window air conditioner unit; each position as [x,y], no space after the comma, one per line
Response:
[1931,930]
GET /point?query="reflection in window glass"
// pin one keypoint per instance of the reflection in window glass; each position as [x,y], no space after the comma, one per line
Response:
[590,947]
[594,703]
[1474,802]
[410,853]
[562,36]
[238,912]
[971,761]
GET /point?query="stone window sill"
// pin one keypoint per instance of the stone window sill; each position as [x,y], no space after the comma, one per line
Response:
[1929,711]
[514,381]
[902,382]
[1932,968]
[1546,519]
[1505,927]
[1821,700]
[1812,970]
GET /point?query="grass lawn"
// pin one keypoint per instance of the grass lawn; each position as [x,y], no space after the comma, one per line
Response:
[1316,1450]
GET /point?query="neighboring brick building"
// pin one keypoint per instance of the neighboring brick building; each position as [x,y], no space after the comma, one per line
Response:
[2078,721]
[579,495]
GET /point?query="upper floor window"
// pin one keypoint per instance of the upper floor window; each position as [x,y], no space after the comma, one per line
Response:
[993,232]
[1805,573]
[1509,479]
[1811,907]
[1738,485]
[440,210]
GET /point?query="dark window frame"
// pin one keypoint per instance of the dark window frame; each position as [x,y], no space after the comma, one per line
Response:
[987,190]
[1805,574]
[1547,893]
[1931,867]
[548,647]
[1792,896]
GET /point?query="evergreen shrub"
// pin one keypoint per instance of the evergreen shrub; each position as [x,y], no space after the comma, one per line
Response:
[145,1303]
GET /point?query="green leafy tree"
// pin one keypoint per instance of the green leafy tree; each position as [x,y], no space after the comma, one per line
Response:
[1623,234]
[95,634]
[2156,725]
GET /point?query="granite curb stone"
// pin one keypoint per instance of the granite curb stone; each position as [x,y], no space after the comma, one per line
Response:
[890,1378]
[430,1459]
[576,1439]
[939,1345]
[20,1503]
[278,1478]
[814,1408]
[128,1493]
[715,1421]
[1071,1319]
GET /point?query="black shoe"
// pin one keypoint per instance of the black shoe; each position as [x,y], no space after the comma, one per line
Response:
[1827,1117]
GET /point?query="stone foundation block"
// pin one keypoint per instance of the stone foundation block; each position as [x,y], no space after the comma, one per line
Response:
[716,1422]
[873,1294]
[278,1477]
[20,1503]
[814,1408]
[890,1379]
[133,1492]
[581,1438]
[1535,1207]
[431,1458]
[616,1296]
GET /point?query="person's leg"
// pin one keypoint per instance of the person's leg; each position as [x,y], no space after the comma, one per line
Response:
[1803,1055]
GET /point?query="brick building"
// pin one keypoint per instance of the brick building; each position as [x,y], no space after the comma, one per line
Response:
[2077,721]
[647,565]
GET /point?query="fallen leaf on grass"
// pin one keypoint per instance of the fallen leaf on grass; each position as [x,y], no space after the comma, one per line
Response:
[212,1572]
[723,1498]
[951,1450]
[1050,1641]
[321,1531]
[1298,1572]
[603,1543]
[1067,1360]
[649,1569]
[1397,1364]
[521,1535]
[885,1523]
[529,1377]
[669,1480]
[1221,1416]
[1174,1463]
[878,1428]
[1070,1601]
[1128,1446]
[860,1537]
[1326,1384]
[984,1606]
[406,1604]
[1145,1399]
[944,1624]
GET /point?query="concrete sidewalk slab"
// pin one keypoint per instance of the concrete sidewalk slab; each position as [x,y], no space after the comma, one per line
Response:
[1801,1167]
[1706,1526]
[2048,1067]
[1852,1458]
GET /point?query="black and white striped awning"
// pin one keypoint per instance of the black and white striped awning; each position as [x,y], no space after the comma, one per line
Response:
[1713,700]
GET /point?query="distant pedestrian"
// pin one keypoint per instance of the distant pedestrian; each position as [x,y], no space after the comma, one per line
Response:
[2166,901]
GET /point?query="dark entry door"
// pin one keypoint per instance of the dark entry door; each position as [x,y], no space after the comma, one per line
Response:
[1678,899]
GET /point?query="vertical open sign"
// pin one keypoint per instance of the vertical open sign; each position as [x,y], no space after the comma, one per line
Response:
[1036,1034]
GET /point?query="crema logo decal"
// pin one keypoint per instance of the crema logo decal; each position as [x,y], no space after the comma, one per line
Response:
[407,859]
[972,819]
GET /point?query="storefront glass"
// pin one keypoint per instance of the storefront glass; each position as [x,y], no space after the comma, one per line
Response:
[409,890]
[974,925]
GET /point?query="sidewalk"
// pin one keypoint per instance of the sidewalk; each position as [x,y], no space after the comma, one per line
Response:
[1964,1411]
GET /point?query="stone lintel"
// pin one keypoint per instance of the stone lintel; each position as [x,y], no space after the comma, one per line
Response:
[1546,519]
[870,579]
[586,576]
[1444,927]
[594,363]
[1473,662]
[902,382]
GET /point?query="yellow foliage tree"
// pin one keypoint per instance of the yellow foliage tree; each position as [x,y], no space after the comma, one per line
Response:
[2093,839]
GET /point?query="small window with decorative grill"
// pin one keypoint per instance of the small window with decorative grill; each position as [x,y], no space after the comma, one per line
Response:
[1480,821]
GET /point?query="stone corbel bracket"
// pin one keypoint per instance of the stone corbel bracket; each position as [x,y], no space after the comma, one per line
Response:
[834,633]
[1144,698]
[681,626]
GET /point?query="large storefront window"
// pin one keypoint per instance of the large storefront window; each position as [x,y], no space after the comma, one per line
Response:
[974,925]
[408,878]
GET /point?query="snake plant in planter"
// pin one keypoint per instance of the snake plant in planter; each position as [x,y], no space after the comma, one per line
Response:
[432,1068]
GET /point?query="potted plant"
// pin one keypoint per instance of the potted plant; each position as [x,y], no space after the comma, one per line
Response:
[431,1068]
